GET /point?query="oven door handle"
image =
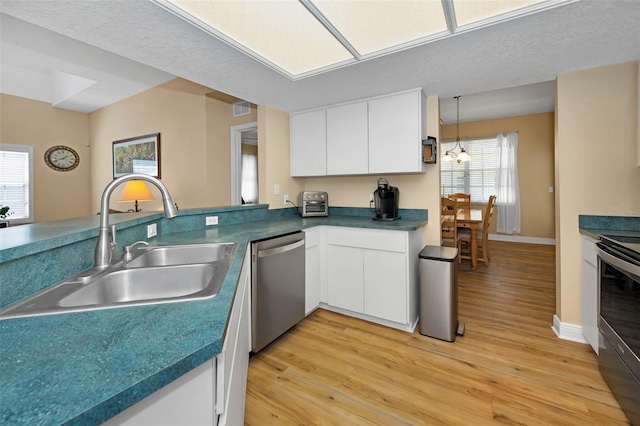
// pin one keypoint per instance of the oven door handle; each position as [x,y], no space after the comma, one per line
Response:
[621,264]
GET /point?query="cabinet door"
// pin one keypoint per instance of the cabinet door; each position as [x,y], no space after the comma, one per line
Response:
[589,282]
[395,134]
[385,289]
[309,144]
[236,386]
[188,400]
[312,271]
[345,279]
[347,139]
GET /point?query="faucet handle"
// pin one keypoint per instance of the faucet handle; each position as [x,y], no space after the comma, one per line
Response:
[127,249]
[113,242]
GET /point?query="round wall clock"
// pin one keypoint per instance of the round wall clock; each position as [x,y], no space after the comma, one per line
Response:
[61,158]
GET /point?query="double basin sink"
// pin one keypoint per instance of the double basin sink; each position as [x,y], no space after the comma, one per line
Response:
[152,275]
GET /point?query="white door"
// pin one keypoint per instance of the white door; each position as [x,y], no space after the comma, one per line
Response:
[345,280]
[347,139]
[385,290]
[309,143]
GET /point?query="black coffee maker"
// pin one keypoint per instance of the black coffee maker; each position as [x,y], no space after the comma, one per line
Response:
[386,198]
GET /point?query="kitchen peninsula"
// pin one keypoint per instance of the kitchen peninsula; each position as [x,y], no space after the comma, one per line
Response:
[86,367]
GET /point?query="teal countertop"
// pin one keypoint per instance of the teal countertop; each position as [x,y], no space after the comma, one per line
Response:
[623,226]
[86,367]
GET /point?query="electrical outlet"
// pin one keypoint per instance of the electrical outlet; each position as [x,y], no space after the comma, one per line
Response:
[152,230]
[371,197]
[211,220]
[276,189]
[286,199]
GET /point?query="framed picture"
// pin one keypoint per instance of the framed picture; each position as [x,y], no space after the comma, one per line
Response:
[137,155]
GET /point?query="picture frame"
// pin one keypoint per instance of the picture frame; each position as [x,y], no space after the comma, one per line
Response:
[140,154]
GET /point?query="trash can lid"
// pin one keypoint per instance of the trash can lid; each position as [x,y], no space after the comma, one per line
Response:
[444,254]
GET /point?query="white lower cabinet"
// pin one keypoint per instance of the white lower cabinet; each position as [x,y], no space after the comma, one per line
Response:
[314,272]
[385,292]
[232,388]
[373,274]
[589,281]
[345,278]
[213,393]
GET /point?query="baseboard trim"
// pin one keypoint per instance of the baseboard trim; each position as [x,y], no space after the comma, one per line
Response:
[567,331]
[522,239]
[409,328]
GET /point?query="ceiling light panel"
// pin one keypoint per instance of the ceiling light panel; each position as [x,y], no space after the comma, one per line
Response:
[283,32]
[372,26]
[470,11]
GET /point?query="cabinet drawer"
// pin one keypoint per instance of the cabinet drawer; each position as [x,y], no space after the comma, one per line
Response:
[589,250]
[368,239]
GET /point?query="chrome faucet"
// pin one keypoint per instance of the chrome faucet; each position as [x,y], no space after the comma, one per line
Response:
[105,247]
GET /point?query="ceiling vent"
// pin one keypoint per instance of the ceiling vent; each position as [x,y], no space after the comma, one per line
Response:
[241,108]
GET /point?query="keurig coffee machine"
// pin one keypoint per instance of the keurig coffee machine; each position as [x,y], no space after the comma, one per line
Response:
[386,199]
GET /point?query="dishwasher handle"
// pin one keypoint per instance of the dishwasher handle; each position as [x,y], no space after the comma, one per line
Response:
[282,249]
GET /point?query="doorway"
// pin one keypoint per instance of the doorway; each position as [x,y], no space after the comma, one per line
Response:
[244,164]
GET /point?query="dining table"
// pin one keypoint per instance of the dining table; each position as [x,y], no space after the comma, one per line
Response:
[471,219]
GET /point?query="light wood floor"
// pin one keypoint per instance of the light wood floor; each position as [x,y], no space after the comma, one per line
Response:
[509,368]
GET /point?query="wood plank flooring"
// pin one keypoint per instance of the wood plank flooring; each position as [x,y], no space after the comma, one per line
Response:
[509,368]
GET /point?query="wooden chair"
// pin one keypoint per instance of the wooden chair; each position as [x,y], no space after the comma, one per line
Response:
[449,224]
[483,234]
[463,200]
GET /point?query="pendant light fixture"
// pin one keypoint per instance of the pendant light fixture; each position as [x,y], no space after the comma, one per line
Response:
[450,155]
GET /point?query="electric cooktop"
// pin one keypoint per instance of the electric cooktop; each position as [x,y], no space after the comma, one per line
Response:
[628,244]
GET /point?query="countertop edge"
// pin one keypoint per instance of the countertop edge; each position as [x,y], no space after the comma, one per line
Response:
[140,390]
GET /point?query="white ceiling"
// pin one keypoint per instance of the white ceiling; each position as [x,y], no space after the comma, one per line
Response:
[141,45]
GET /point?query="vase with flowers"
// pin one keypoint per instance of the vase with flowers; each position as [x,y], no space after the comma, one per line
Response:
[4,213]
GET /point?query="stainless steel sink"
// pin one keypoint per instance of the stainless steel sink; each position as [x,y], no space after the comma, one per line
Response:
[179,255]
[159,275]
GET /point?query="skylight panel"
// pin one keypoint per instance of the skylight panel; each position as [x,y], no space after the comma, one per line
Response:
[282,32]
[471,11]
[372,26]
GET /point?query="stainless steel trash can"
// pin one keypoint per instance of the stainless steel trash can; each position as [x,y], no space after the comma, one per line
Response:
[439,293]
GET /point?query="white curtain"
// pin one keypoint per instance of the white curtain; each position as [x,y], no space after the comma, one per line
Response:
[249,185]
[508,191]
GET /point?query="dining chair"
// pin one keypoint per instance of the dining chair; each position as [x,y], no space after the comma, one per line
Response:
[449,224]
[483,234]
[463,200]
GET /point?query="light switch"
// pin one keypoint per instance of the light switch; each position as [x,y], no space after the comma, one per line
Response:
[276,189]
[551,189]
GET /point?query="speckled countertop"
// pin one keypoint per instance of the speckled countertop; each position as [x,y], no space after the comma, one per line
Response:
[623,226]
[84,368]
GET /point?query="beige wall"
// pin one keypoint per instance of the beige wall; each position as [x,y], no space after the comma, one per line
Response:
[274,160]
[596,164]
[249,149]
[195,146]
[417,191]
[57,195]
[535,166]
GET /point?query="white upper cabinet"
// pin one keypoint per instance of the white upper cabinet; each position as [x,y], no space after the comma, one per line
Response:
[347,139]
[396,133]
[371,136]
[309,143]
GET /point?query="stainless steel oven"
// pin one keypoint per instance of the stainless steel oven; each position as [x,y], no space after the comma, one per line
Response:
[619,322]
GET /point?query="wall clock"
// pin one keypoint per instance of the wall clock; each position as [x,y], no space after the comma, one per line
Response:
[61,158]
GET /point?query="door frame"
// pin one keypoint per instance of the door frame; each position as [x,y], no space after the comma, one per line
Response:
[236,166]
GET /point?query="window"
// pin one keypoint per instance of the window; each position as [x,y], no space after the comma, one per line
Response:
[476,177]
[16,181]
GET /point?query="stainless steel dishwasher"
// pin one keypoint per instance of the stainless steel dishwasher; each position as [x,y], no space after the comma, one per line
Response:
[277,287]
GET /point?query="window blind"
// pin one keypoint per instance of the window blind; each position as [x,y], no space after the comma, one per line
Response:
[476,177]
[15,180]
